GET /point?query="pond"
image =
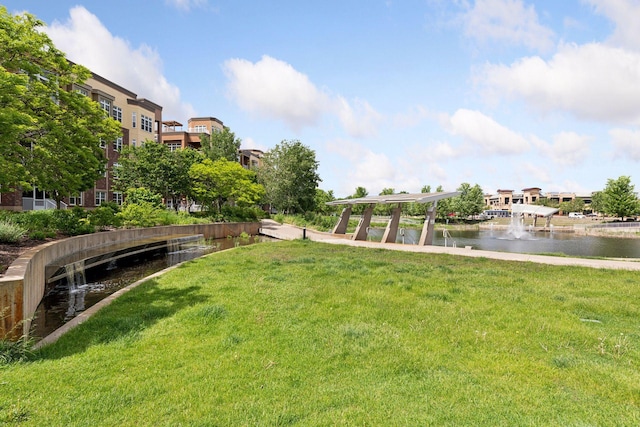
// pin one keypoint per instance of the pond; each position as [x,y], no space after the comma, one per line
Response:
[80,289]
[570,244]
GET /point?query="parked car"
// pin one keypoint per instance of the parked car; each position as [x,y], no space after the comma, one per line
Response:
[576,215]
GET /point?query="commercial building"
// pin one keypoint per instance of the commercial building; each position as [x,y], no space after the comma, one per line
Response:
[505,199]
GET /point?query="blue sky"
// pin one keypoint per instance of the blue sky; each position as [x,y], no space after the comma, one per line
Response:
[506,94]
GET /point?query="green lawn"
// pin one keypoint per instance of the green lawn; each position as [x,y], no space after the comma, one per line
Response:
[310,334]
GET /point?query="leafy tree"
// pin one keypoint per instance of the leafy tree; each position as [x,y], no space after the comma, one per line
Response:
[597,202]
[222,181]
[50,133]
[620,199]
[470,201]
[155,167]
[140,195]
[575,205]
[289,175]
[360,192]
[322,197]
[221,145]
[444,206]
[384,209]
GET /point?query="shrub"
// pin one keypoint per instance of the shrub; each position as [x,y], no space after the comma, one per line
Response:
[242,214]
[138,195]
[105,216]
[15,351]
[11,233]
[144,214]
[41,235]
[72,222]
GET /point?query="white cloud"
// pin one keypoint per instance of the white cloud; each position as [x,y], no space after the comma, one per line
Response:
[86,41]
[485,134]
[626,143]
[412,117]
[625,14]
[360,121]
[536,173]
[508,21]
[568,148]
[274,89]
[186,5]
[591,81]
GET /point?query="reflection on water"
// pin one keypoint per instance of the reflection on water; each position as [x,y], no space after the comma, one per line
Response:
[535,242]
[66,298]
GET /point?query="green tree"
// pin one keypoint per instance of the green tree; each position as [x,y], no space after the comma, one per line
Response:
[322,197]
[359,193]
[155,167]
[445,207]
[224,181]
[575,205]
[221,145]
[289,175]
[620,199]
[597,202]
[51,134]
[470,201]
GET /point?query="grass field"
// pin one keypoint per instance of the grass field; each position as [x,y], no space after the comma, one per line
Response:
[309,334]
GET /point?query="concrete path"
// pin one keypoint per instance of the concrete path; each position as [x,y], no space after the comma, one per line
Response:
[290,232]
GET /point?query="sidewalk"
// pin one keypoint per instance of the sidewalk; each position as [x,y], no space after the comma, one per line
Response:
[290,232]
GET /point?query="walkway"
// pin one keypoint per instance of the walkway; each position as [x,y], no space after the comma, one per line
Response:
[290,232]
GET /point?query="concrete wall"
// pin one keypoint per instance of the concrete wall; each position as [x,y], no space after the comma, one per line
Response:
[22,287]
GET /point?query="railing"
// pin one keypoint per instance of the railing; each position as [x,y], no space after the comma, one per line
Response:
[617,225]
[194,130]
[447,236]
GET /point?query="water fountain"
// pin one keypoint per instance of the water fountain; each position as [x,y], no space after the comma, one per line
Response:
[516,228]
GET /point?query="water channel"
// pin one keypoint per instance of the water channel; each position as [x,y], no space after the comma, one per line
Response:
[570,244]
[79,289]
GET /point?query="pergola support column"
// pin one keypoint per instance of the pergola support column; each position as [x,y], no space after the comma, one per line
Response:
[391,231]
[365,221]
[428,229]
[343,222]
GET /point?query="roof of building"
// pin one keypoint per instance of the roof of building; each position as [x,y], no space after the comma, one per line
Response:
[397,198]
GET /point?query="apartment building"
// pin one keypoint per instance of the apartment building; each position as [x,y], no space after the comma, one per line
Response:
[140,121]
[175,137]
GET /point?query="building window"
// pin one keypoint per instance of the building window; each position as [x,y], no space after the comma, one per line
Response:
[103,144]
[146,123]
[118,144]
[134,119]
[133,142]
[105,104]
[117,113]
[82,91]
[200,129]
[173,146]
[101,197]
[117,197]
[76,199]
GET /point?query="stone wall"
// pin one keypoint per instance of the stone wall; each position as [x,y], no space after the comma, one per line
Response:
[23,285]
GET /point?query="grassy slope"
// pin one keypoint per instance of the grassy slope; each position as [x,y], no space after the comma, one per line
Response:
[311,334]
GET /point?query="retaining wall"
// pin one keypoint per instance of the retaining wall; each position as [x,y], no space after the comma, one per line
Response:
[23,285]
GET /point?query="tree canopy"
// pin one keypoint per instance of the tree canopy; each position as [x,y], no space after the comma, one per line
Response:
[620,199]
[221,145]
[215,183]
[289,175]
[51,135]
[470,201]
[155,167]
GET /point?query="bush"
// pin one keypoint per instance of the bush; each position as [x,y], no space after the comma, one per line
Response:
[105,216]
[11,233]
[144,214]
[41,235]
[242,214]
[72,222]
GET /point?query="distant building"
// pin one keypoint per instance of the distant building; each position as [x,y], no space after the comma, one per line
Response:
[505,199]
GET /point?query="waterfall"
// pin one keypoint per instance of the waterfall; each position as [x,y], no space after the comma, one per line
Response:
[77,283]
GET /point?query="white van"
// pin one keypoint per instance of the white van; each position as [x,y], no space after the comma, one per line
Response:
[575,215]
